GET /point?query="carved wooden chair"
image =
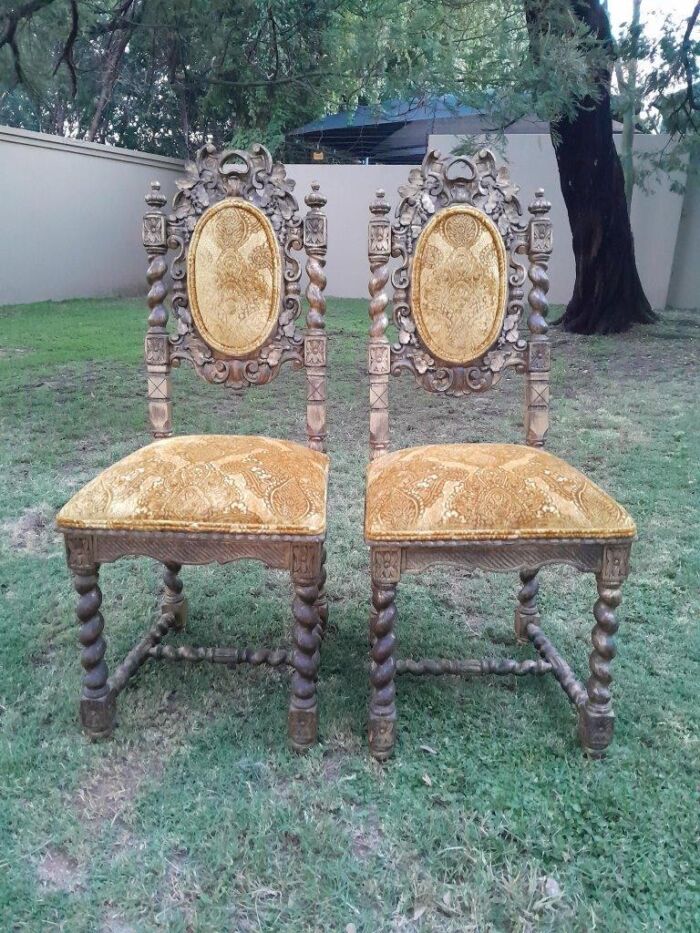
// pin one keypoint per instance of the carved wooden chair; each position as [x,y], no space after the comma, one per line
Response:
[458,297]
[217,498]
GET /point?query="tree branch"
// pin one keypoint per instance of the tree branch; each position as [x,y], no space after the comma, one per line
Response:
[685,57]
[8,29]
[66,55]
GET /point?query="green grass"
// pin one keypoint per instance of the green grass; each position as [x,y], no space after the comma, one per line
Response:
[195,816]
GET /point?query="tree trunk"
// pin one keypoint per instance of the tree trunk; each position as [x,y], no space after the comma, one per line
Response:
[110,74]
[118,40]
[630,110]
[608,296]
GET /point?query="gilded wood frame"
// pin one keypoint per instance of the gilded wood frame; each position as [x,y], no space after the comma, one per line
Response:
[477,181]
[212,176]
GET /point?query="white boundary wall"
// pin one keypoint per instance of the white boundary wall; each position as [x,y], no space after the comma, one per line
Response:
[71,215]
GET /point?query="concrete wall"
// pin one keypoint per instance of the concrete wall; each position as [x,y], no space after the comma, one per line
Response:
[71,225]
[350,189]
[71,216]
[684,291]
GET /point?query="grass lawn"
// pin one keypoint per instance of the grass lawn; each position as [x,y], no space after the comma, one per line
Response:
[196,817]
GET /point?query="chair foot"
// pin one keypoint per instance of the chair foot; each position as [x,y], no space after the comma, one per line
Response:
[526,611]
[97,716]
[173,600]
[595,730]
[303,729]
[381,731]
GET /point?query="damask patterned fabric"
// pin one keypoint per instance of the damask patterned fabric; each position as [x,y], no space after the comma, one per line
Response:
[485,492]
[234,277]
[458,293]
[208,482]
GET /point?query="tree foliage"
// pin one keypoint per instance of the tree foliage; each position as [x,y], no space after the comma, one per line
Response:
[160,75]
[658,91]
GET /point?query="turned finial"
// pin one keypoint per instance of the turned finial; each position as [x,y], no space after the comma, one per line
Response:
[379,206]
[316,198]
[540,205]
[154,198]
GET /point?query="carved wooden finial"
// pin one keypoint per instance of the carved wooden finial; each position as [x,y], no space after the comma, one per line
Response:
[379,206]
[154,198]
[540,205]
[316,198]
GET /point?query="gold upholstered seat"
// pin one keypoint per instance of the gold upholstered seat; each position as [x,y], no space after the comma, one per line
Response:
[482,492]
[207,483]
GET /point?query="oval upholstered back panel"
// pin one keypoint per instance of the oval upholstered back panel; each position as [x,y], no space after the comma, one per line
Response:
[234,277]
[460,284]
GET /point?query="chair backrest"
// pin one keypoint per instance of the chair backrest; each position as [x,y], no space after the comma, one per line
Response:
[464,254]
[234,228]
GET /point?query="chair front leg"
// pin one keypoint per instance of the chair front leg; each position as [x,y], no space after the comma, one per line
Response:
[596,717]
[322,601]
[526,610]
[173,600]
[382,705]
[303,708]
[97,705]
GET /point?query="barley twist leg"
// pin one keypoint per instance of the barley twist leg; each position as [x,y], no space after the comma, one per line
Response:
[382,706]
[97,706]
[526,611]
[596,717]
[303,710]
[173,601]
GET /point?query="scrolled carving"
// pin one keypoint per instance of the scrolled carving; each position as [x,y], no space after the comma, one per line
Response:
[437,184]
[253,176]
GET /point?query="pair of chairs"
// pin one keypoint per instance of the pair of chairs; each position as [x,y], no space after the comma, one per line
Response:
[463,255]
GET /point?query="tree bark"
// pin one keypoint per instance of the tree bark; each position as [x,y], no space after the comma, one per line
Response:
[608,296]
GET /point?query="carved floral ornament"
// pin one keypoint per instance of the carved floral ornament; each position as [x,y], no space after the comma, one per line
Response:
[441,183]
[255,178]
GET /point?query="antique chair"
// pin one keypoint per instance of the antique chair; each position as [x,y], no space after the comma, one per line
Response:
[458,293]
[217,498]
